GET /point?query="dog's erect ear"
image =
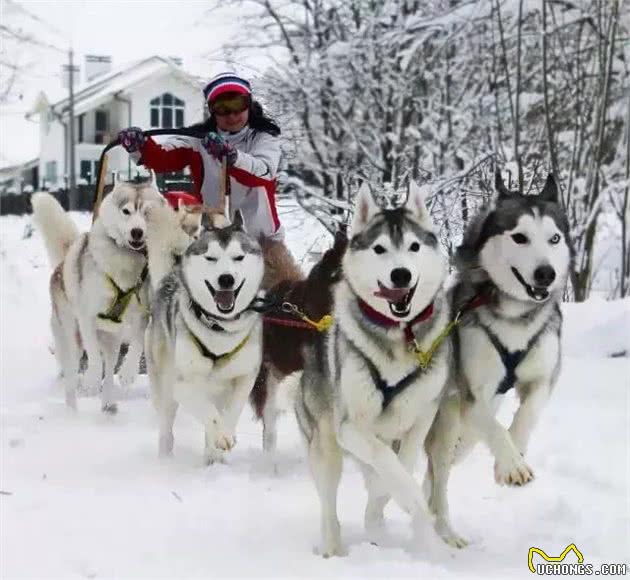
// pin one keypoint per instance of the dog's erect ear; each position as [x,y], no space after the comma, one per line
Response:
[499,185]
[364,209]
[153,178]
[238,222]
[417,203]
[206,221]
[550,190]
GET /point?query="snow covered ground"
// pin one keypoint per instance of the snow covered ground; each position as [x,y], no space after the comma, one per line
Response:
[85,496]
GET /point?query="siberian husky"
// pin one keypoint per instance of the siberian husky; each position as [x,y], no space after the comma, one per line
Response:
[365,391]
[512,270]
[204,340]
[97,288]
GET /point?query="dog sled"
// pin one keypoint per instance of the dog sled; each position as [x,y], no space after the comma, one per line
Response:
[175,197]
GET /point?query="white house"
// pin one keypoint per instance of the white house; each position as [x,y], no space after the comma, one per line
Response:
[154,92]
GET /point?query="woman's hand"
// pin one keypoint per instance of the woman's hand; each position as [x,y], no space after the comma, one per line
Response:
[219,148]
[132,139]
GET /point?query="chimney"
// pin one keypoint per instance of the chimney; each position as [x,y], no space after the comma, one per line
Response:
[96,65]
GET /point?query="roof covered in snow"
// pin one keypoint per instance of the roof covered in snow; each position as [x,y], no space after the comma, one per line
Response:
[104,87]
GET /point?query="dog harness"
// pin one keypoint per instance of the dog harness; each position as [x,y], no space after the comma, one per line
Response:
[208,319]
[390,391]
[122,298]
[217,358]
[510,359]
[423,357]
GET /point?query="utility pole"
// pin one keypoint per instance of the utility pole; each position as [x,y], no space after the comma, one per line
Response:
[72,186]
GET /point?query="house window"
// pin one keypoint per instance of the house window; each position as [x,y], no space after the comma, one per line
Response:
[81,120]
[100,126]
[89,170]
[167,111]
[51,173]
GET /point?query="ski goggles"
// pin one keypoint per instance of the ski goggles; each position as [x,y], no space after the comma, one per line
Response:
[228,105]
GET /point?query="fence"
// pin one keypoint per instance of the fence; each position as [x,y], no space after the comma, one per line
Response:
[19,204]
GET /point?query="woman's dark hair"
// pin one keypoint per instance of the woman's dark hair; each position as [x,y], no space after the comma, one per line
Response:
[258,121]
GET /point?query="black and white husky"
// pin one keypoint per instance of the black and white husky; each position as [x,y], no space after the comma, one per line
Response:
[366,392]
[204,342]
[98,289]
[512,270]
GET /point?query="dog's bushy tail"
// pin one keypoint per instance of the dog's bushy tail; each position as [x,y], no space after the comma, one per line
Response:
[280,265]
[56,226]
[165,240]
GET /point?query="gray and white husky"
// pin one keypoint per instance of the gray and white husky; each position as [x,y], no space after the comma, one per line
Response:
[204,342]
[97,289]
[365,392]
[512,270]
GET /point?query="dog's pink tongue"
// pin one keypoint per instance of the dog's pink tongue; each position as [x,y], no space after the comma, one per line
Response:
[224,299]
[391,294]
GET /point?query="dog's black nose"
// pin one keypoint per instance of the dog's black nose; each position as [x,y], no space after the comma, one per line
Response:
[226,281]
[544,275]
[400,277]
[136,234]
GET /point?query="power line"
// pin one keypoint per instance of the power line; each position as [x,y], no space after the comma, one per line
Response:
[34,17]
[18,35]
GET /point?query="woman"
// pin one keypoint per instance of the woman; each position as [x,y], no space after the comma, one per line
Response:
[237,130]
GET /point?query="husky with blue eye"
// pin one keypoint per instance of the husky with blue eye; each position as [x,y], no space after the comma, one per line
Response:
[204,340]
[512,271]
[364,390]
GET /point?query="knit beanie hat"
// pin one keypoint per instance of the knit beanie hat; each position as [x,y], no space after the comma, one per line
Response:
[227,82]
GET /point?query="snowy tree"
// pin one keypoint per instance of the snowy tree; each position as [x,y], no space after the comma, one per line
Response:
[443,92]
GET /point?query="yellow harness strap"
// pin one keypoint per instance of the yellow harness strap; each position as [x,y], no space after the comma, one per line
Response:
[424,356]
[321,325]
[217,358]
[122,298]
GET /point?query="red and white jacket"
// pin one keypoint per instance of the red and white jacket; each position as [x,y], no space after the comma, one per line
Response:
[252,177]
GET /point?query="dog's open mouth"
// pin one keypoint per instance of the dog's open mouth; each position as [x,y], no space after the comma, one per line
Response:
[224,299]
[136,245]
[538,293]
[399,299]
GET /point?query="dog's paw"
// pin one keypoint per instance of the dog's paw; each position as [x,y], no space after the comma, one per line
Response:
[218,441]
[445,532]
[331,550]
[513,472]
[109,408]
[455,541]
[331,541]
[213,455]
[225,441]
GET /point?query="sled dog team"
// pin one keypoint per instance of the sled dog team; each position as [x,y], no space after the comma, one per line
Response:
[406,364]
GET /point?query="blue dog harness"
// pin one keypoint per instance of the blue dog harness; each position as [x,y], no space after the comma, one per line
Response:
[510,359]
